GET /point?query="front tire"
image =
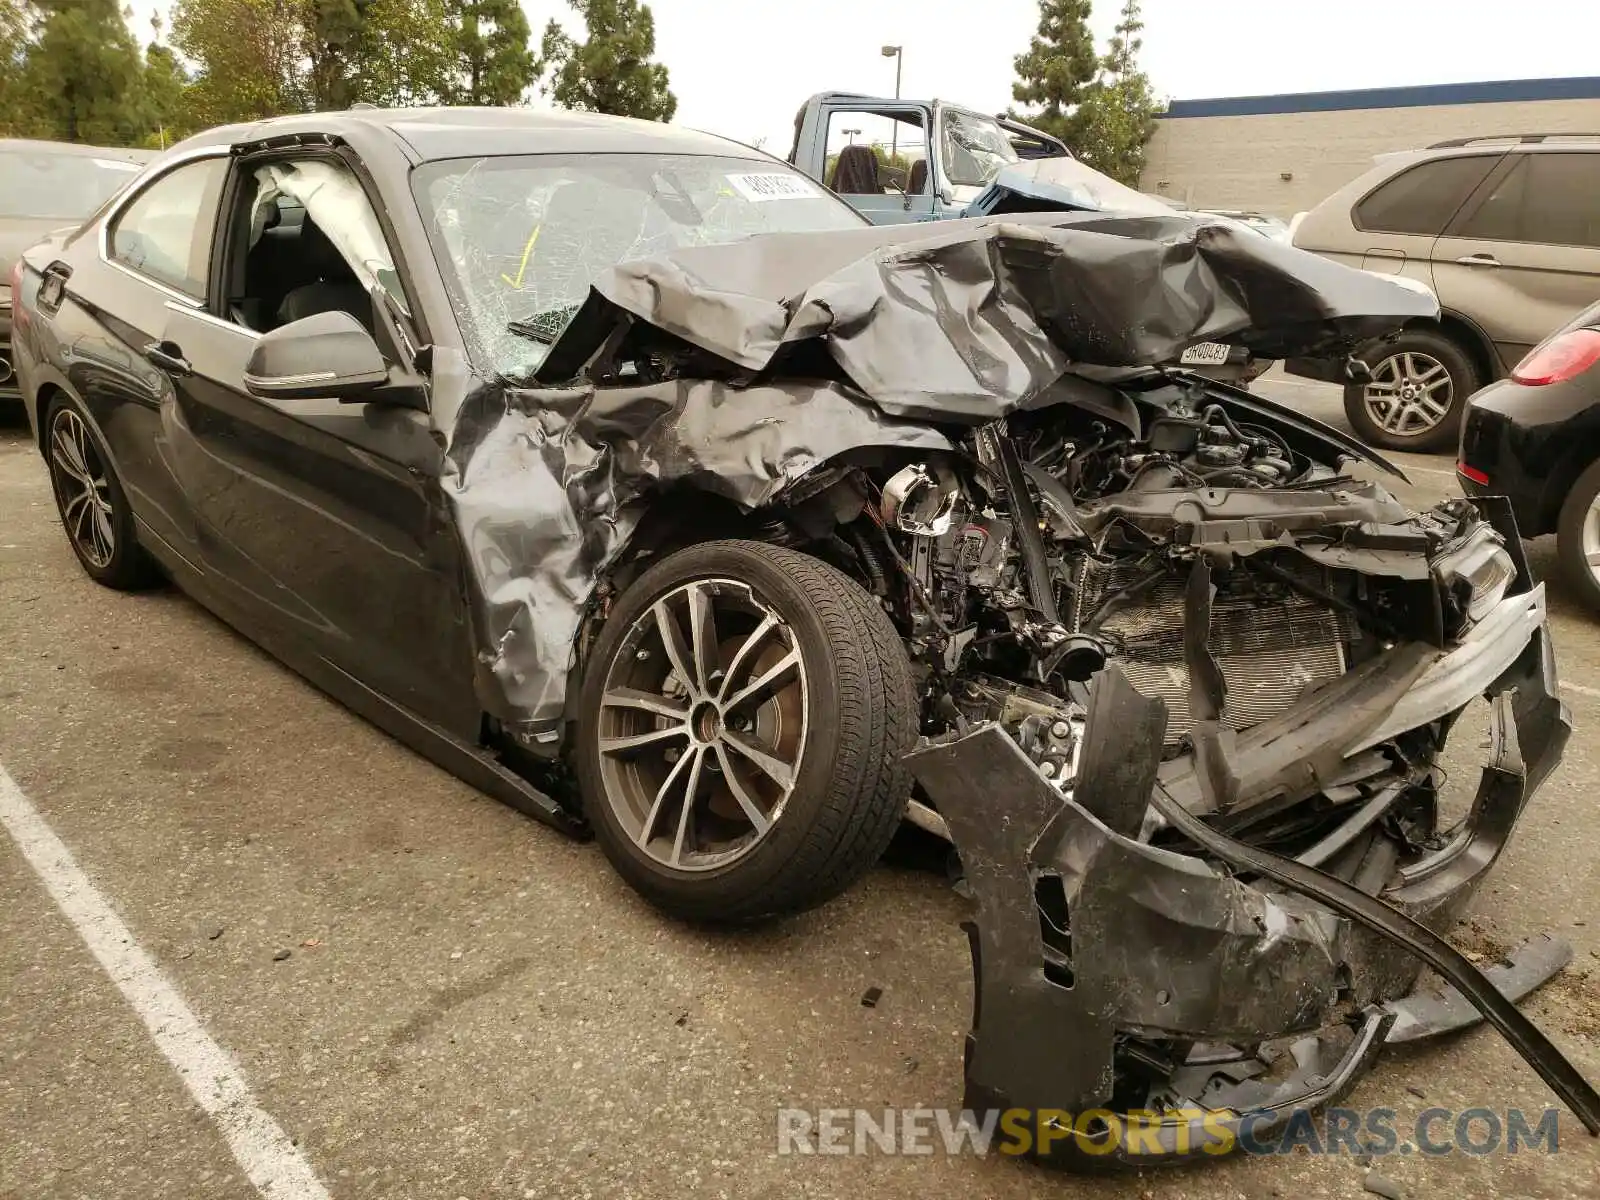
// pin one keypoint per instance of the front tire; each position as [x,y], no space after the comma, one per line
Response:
[1578,538]
[1420,385]
[91,502]
[743,719]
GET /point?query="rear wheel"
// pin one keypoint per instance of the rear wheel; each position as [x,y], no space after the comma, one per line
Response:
[741,732]
[89,498]
[1419,390]
[1578,537]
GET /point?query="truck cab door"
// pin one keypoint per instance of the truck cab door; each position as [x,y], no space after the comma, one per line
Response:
[876,155]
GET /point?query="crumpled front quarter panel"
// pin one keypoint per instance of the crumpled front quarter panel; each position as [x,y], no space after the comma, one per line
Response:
[549,485]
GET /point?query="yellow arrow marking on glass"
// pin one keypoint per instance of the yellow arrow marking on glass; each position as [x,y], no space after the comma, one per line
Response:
[522,267]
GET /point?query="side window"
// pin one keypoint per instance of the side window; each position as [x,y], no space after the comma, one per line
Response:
[166,231]
[1423,199]
[876,153]
[1548,199]
[307,241]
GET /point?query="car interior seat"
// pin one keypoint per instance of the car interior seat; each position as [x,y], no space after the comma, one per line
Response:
[332,286]
[856,172]
[918,183]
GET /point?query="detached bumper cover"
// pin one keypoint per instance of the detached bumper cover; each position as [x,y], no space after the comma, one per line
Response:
[1153,949]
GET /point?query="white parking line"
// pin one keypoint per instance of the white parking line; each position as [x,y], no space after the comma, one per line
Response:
[1593,693]
[263,1150]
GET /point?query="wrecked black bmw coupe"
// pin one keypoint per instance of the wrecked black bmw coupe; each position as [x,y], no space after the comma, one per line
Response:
[508,430]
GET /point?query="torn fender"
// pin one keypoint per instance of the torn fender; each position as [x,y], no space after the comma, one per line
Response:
[548,485]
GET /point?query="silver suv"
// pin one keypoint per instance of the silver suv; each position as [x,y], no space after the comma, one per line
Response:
[1506,230]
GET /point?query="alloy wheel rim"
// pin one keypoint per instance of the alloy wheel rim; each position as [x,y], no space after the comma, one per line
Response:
[83,489]
[1410,393]
[702,724]
[1591,538]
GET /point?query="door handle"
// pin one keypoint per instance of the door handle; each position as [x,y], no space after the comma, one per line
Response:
[169,358]
[1478,260]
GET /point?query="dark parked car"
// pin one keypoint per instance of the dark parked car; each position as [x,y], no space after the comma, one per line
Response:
[629,475]
[44,186]
[1535,439]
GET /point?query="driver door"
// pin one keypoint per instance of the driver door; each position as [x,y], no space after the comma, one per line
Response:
[902,188]
[321,519]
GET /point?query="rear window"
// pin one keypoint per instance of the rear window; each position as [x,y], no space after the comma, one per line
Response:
[1548,199]
[1423,199]
[43,183]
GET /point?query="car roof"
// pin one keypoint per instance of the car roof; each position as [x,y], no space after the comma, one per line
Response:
[441,133]
[76,149]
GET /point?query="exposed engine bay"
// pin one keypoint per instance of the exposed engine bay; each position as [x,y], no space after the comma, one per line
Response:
[1183,673]
[1175,605]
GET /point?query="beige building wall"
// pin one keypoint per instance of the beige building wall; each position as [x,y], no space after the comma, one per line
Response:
[1242,161]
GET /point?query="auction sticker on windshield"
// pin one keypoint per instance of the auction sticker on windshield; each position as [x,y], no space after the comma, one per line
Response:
[773,186]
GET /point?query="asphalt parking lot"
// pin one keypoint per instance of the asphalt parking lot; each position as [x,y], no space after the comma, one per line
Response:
[474,1006]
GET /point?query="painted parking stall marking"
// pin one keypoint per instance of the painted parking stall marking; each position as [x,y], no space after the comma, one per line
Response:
[264,1152]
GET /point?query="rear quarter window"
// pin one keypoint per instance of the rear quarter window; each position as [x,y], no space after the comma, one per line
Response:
[1423,198]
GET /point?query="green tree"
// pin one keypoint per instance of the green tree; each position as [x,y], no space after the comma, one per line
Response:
[262,58]
[610,71]
[407,53]
[164,85]
[16,31]
[80,79]
[248,58]
[1118,115]
[493,60]
[1056,72]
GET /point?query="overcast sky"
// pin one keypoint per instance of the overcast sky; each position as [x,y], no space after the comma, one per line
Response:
[742,67]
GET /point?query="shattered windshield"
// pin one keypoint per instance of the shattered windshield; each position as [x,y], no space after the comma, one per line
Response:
[520,238]
[974,149]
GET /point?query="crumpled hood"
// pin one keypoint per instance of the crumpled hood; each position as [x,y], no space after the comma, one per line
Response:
[976,317]
[1069,183]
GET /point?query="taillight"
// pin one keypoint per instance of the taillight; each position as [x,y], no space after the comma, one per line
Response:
[1560,359]
[1473,474]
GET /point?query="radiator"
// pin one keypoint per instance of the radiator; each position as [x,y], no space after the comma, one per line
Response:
[1270,654]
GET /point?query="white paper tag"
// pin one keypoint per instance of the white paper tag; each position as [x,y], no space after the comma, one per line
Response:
[773,185]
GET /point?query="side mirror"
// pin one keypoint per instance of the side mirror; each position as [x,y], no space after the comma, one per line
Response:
[328,355]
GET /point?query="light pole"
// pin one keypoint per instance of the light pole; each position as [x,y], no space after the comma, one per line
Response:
[894,52]
[851,134]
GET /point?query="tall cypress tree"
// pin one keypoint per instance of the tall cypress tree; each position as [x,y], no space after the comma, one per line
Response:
[611,70]
[1056,71]
[494,61]
[1117,118]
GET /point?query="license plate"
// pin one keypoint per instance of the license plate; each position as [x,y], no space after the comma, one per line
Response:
[1206,354]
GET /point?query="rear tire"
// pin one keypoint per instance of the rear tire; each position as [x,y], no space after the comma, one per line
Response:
[91,502]
[1578,538]
[1421,383]
[842,715]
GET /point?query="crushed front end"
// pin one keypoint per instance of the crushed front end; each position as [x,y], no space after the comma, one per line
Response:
[1187,673]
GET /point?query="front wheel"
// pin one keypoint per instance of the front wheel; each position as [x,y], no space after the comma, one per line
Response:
[743,720]
[1419,389]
